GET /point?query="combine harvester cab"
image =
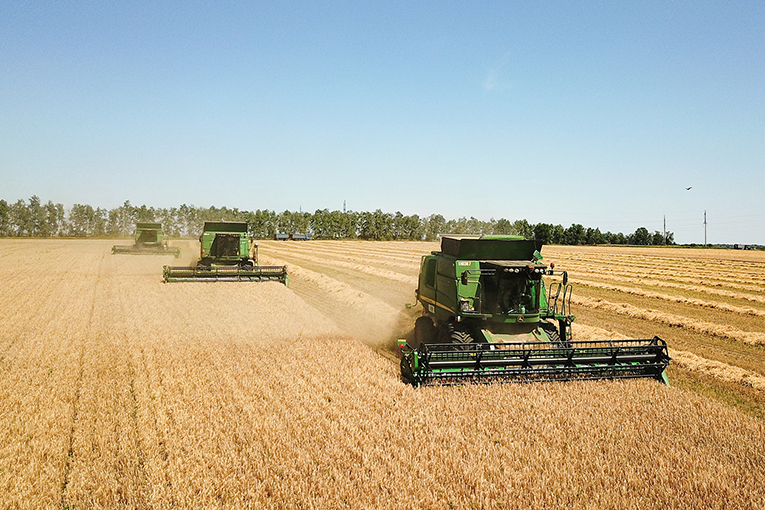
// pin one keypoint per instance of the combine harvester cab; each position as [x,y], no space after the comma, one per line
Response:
[148,241]
[488,316]
[226,255]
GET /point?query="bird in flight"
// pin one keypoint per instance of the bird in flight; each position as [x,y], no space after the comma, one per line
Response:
[689,187]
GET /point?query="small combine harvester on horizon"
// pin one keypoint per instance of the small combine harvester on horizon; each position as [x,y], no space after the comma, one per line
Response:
[148,241]
[487,316]
[227,254]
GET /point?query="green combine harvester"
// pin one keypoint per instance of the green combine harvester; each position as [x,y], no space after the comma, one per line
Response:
[487,316]
[148,241]
[227,254]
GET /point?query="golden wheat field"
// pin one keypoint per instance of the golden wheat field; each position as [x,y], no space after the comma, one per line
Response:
[120,391]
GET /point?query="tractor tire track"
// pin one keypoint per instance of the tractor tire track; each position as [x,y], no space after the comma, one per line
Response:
[72,430]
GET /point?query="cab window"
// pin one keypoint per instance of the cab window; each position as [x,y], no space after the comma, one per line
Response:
[430,273]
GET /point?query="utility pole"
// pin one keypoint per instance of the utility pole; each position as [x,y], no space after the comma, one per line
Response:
[343,206]
[705,228]
[665,230]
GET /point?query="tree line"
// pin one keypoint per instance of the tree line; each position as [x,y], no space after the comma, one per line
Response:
[34,219]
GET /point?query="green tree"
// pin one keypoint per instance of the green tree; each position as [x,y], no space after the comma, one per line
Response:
[261,223]
[523,228]
[81,220]
[5,219]
[291,222]
[411,228]
[574,235]
[169,220]
[144,214]
[558,235]
[99,222]
[384,225]
[121,221]
[322,225]
[55,218]
[467,226]
[397,231]
[617,238]
[376,226]
[189,221]
[434,225]
[641,237]
[503,227]
[36,214]
[594,236]
[543,232]
[20,219]
[407,227]
[348,223]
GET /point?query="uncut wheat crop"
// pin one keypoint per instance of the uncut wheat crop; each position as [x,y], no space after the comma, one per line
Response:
[120,391]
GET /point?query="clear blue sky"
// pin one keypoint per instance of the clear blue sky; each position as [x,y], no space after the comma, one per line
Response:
[591,112]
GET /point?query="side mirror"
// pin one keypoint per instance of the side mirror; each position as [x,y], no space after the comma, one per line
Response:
[565,277]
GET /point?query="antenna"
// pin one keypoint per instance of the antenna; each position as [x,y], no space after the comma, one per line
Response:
[705,228]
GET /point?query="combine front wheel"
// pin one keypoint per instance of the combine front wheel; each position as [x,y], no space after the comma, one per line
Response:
[553,335]
[406,371]
[424,332]
[461,337]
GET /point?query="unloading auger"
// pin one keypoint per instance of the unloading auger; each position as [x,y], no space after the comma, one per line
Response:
[487,316]
[225,256]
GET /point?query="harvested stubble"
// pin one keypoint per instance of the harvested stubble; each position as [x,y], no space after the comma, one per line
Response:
[667,297]
[671,277]
[358,265]
[679,287]
[358,251]
[123,392]
[722,331]
[689,266]
[369,319]
[382,260]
